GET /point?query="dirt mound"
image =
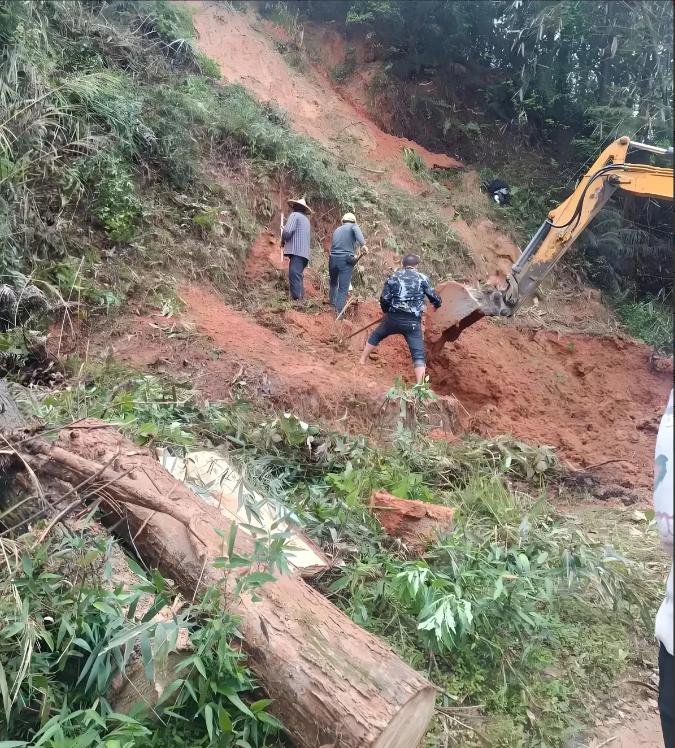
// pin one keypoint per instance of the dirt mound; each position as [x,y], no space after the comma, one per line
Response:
[246,53]
[597,399]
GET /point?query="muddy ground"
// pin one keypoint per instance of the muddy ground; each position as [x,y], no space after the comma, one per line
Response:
[596,399]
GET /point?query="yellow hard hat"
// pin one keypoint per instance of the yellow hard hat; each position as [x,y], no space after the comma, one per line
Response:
[348,218]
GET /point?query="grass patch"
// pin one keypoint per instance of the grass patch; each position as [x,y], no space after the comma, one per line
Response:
[414,162]
[415,228]
[649,320]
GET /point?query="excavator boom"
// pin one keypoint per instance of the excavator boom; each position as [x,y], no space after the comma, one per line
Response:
[462,306]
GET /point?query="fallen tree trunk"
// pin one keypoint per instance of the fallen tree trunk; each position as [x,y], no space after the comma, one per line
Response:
[333,684]
[214,479]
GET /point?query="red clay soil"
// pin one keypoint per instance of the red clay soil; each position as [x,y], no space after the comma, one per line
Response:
[264,256]
[596,399]
[416,523]
[214,347]
[244,49]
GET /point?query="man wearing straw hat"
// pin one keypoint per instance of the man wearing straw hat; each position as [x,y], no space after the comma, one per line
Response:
[295,237]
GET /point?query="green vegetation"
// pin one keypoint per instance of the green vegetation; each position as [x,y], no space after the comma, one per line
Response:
[518,610]
[412,225]
[346,68]
[650,320]
[574,73]
[98,103]
[414,161]
[69,627]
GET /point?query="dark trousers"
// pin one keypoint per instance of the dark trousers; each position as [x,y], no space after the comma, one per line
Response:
[296,269]
[340,276]
[402,324]
[667,696]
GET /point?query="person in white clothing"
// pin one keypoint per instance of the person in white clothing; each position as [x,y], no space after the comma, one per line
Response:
[663,507]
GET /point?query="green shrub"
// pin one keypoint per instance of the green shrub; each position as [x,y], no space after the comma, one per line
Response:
[414,161]
[208,66]
[377,84]
[115,201]
[649,320]
[345,69]
[69,627]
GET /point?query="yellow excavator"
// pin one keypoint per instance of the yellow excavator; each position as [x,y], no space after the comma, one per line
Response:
[463,306]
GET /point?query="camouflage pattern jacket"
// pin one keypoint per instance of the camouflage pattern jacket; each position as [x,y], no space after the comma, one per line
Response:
[405,292]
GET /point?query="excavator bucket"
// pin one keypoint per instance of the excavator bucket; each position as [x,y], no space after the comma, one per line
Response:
[458,302]
[461,307]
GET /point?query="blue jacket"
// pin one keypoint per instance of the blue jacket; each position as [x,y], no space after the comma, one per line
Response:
[344,238]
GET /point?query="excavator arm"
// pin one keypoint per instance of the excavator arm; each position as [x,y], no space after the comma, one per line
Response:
[566,222]
[463,306]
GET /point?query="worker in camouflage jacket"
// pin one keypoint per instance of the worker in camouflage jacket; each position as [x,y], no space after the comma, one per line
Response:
[403,299]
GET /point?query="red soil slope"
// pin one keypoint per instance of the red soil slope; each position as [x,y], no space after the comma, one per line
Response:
[598,400]
[246,55]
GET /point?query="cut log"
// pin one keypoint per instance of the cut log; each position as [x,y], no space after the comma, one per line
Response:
[132,687]
[332,683]
[213,477]
[416,523]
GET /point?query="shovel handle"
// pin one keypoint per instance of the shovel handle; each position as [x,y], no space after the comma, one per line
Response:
[364,328]
[281,233]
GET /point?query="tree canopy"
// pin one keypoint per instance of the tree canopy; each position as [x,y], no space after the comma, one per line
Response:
[591,67]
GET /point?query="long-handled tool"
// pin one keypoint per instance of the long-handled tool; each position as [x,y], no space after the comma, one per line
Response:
[281,233]
[344,309]
[365,327]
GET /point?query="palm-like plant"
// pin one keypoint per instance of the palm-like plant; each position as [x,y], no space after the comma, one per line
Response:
[626,249]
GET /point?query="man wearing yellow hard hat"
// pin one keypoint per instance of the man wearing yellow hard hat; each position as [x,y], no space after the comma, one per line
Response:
[343,258]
